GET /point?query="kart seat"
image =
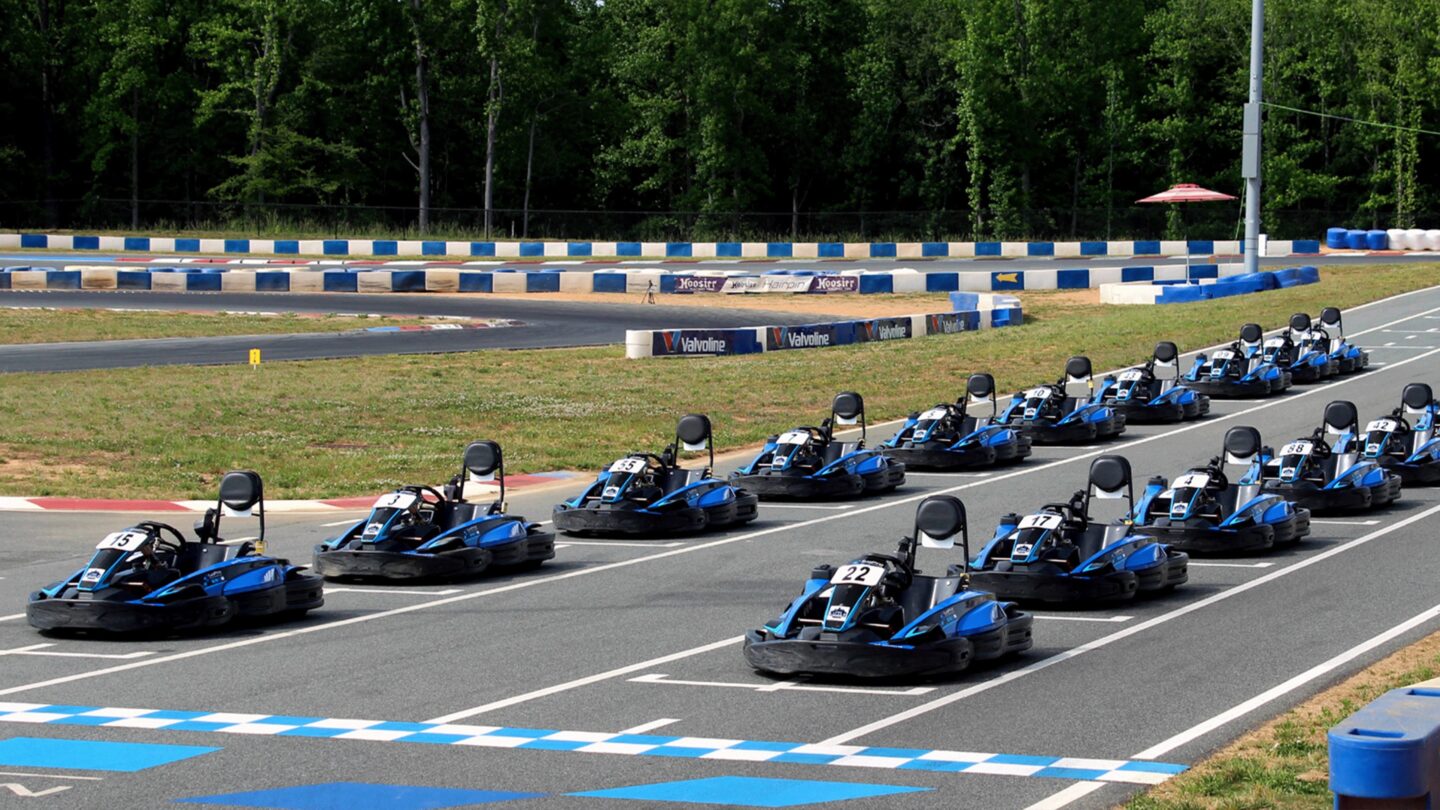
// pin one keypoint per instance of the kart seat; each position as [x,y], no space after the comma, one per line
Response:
[1091,540]
[198,556]
[461,513]
[679,478]
[926,592]
[1228,498]
[837,450]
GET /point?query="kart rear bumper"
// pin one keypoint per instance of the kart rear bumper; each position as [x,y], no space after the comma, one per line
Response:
[1234,389]
[127,617]
[1141,413]
[797,486]
[855,659]
[1414,474]
[1344,499]
[1197,539]
[629,521]
[922,458]
[1078,431]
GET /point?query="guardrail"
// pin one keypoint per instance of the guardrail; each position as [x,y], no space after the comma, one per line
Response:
[1232,281]
[673,250]
[1387,755]
[973,312]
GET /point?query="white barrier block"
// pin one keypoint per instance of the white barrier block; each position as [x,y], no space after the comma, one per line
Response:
[109,243]
[1171,272]
[311,247]
[63,241]
[652,250]
[640,282]
[577,282]
[1228,247]
[308,281]
[856,250]
[1067,250]
[237,281]
[555,250]
[1133,293]
[962,250]
[805,250]
[9,240]
[162,244]
[508,250]
[1017,250]
[508,282]
[974,282]
[907,282]
[1105,275]
[1398,239]
[1279,247]
[602,249]
[212,245]
[262,245]
[442,280]
[97,278]
[27,280]
[702,250]
[1040,280]
[360,247]
[373,281]
[638,343]
[457,249]
[1126,248]
[1231,269]
[909,250]
[1173,247]
[407,247]
[1431,241]
[754,250]
[168,282]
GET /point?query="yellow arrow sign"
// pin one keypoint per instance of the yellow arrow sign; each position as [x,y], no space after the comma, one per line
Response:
[254,357]
[1013,278]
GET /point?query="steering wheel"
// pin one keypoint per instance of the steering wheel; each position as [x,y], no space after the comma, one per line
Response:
[897,572]
[158,530]
[1400,420]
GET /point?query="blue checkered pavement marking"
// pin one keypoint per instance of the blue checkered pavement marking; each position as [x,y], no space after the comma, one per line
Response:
[348,795]
[590,742]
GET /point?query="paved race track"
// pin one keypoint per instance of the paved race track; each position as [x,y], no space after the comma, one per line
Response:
[643,636]
[547,324]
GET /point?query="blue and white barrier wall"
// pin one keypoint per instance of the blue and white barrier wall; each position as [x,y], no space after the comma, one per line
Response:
[672,250]
[1231,280]
[1387,239]
[342,278]
[1388,753]
[974,311]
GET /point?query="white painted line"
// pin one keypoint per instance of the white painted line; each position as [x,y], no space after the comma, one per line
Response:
[787,686]
[12,617]
[1103,619]
[1075,792]
[19,650]
[771,505]
[1393,346]
[586,681]
[52,776]
[1194,564]
[723,541]
[112,656]
[1105,641]
[1346,522]
[339,523]
[396,591]
[909,473]
[650,726]
[621,543]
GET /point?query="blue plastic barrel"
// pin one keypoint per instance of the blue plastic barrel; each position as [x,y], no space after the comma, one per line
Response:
[1377,240]
[1355,240]
[1335,238]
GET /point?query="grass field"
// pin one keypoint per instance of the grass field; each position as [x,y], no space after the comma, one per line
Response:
[1284,764]
[344,427]
[63,325]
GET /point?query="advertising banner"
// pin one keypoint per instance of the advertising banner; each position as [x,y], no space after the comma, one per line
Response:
[693,342]
[809,336]
[883,329]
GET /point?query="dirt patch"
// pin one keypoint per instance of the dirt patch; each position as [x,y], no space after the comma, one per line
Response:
[20,464]
[848,304]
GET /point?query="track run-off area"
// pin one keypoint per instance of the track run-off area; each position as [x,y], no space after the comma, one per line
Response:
[579,676]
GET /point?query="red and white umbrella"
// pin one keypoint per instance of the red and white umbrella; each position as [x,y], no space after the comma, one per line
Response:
[1186,193]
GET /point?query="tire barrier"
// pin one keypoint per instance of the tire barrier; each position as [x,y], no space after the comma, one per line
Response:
[1388,753]
[1232,280]
[671,250]
[973,311]
[1411,239]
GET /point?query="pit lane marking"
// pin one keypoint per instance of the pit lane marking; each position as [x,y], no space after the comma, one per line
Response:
[796,685]
[1194,564]
[836,508]
[1345,523]
[1102,619]
[12,617]
[650,726]
[619,543]
[404,591]
[40,649]
[52,776]
[724,541]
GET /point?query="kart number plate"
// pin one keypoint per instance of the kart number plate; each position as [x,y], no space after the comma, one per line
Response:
[122,541]
[1297,449]
[858,574]
[1383,425]
[1038,393]
[1192,481]
[628,465]
[1274,342]
[1046,521]
[396,500]
[1223,354]
[933,415]
[1133,375]
[793,437]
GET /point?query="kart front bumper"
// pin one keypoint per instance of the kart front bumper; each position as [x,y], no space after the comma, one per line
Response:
[594,520]
[1422,474]
[778,485]
[1235,389]
[1344,499]
[1145,414]
[1078,431]
[1023,586]
[855,659]
[937,459]
[127,617]
[1198,539]
[395,565]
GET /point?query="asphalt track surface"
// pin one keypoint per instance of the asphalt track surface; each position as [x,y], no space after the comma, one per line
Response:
[1169,678]
[547,324]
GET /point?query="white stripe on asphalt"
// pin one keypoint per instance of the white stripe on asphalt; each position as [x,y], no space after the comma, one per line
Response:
[795,685]
[1104,619]
[1194,564]
[650,726]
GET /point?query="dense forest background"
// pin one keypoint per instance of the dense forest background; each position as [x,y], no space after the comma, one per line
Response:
[704,119]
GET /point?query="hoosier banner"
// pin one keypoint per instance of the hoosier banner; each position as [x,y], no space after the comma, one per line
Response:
[766,284]
[692,342]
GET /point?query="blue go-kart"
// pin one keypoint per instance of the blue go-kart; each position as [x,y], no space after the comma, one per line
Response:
[1151,393]
[645,494]
[1064,412]
[878,616]
[149,578]
[960,434]
[1328,337]
[1239,371]
[1405,442]
[1060,554]
[418,533]
[1300,351]
[1204,512]
[809,462]
[1325,472]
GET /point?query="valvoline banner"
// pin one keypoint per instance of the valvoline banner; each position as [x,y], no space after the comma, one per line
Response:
[883,329]
[946,323]
[809,336]
[691,342]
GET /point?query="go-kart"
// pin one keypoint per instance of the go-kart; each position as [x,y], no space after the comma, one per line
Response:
[955,435]
[1065,411]
[1328,336]
[878,616]
[808,462]
[1301,350]
[1149,393]
[1324,471]
[150,578]
[418,533]
[646,494]
[1239,371]
[1405,442]
[1204,512]
[1061,554]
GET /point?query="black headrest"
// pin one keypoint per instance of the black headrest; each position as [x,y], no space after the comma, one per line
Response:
[241,489]
[1242,441]
[980,385]
[940,516]
[1110,473]
[1300,322]
[482,457]
[693,428]
[1330,316]
[1077,366]
[1251,332]
[1165,351]
[1341,414]
[1417,396]
[848,405]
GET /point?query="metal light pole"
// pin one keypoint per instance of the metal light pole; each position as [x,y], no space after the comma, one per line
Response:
[1250,154]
